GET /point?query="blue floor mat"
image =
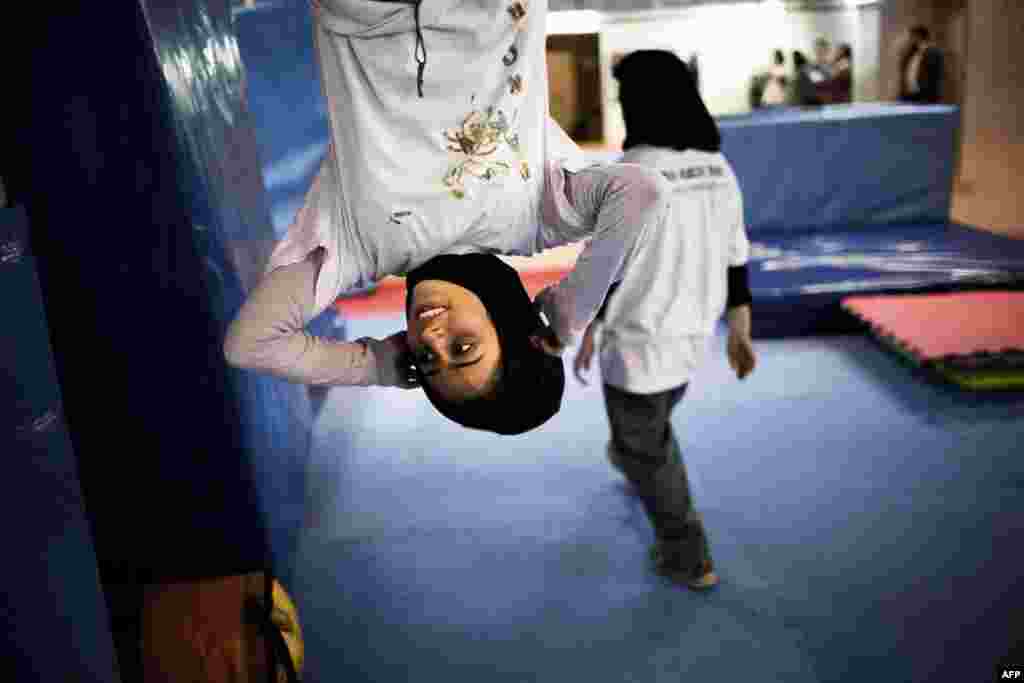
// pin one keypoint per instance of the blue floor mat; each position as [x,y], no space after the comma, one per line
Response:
[865,525]
[798,280]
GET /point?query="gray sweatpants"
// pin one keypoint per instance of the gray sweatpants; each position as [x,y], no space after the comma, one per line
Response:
[646,451]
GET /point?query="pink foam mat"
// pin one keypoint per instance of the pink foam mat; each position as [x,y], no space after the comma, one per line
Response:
[940,326]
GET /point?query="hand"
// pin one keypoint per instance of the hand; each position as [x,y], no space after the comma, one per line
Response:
[585,353]
[742,358]
[394,362]
[558,333]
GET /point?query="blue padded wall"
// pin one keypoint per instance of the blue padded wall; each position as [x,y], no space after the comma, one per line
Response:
[863,165]
[852,167]
[149,222]
[54,615]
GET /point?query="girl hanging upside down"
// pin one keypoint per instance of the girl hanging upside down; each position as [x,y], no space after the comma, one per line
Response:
[443,155]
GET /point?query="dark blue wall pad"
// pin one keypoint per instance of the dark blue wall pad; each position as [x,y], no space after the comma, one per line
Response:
[150,222]
[51,571]
[840,167]
[843,166]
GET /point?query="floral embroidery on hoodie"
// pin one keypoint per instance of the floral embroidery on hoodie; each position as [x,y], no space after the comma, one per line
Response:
[479,141]
[484,135]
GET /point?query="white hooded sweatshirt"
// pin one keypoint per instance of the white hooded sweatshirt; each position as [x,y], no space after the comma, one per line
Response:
[474,165]
[460,169]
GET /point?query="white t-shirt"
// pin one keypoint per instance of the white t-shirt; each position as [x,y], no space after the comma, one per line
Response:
[459,170]
[657,324]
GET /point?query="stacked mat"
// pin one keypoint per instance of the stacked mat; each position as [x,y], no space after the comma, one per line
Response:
[973,339]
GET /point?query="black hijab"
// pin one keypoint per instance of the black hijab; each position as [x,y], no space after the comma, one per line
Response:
[530,389]
[661,105]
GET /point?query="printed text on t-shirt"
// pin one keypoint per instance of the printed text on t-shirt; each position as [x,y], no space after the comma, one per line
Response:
[692,172]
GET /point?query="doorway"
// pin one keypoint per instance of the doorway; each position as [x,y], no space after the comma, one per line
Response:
[574,82]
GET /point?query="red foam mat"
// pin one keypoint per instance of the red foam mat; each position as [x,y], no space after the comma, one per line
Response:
[943,326]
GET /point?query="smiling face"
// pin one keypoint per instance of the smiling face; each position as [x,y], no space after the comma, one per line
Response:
[453,341]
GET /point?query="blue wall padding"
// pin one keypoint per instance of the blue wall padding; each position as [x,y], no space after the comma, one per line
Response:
[863,165]
[149,223]
[54,615]
[860,166]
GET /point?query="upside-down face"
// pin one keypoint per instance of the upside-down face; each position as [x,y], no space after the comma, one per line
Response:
[453,340]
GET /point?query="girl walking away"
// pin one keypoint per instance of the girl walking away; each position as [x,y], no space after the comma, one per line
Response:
[652,333]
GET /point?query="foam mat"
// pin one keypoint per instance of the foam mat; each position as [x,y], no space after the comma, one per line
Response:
[973,339]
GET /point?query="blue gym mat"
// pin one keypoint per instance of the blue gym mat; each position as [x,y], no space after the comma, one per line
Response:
[865,524]
[798,280]
[844,166]
[840,167]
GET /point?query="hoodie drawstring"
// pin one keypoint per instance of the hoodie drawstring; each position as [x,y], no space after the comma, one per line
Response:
[421,50]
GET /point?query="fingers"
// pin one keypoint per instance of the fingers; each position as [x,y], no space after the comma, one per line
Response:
[548,342]
[581,364]
[552,347]
[742,358]
[547,346]
[739,366]
[745,363]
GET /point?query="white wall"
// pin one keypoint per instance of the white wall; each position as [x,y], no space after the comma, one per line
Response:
[732,43]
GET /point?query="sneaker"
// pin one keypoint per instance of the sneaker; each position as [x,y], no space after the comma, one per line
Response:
[699,579]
